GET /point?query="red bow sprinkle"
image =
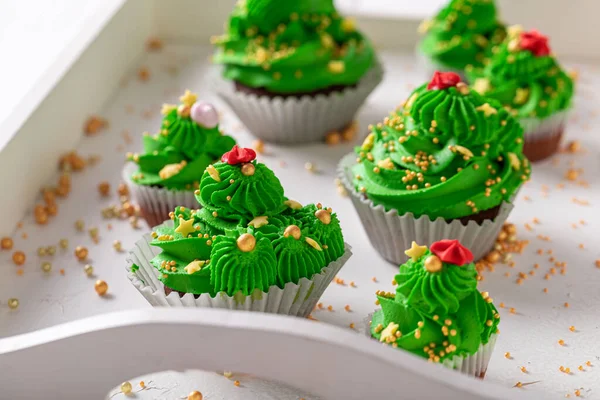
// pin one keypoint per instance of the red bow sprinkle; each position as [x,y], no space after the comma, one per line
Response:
[443,80]
[238,155]
[452,252]
[535,42]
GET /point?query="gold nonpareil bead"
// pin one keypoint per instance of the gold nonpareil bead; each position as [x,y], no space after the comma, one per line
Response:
[246,242]
[248,169]
[101,287]
[81,253]
[433,264]
[293,231]
[88,269]
[324,216]
[13,303]
[46,266]
[126,387]
[195,395]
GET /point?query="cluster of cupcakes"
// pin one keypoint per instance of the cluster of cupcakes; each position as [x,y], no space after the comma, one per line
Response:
[437,176]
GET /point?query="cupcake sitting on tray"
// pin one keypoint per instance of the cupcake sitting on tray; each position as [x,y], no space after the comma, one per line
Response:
[525,77]
[168,171]
[445,165]
[437,312]
[463,34]
[294,71]
[247,248]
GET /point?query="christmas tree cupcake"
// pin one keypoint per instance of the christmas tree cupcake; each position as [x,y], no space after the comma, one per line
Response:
[294,72]
[437,312]
[460,36]
[247,248]
[168,171]
[525,77]
[445,165]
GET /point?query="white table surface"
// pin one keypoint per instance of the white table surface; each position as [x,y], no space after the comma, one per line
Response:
[530,335]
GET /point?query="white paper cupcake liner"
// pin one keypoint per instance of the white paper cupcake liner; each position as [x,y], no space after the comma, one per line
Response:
[429,66]
[391,234]
[298,120]
[156,203]
[474,365]
[294,299]
[538,128]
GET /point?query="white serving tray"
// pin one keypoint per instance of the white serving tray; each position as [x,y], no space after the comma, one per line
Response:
[107,349]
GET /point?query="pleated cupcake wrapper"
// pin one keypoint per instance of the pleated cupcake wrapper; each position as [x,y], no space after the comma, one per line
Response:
[391,233]
[155,202]
[539,129]
[473,365]
[428,65]
[294,299]
[298,120]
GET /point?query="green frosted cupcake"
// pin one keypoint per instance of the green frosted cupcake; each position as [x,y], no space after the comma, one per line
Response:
[247,248]
[299,61]
[460,36]
[437,312]
[445,165]
[525,77]
[168,170]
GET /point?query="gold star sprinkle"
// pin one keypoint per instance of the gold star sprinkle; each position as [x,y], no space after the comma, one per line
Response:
[482,85]
[188,98]
[293,204]
[521,96]
[514,161]
[514,30]
[336,67]
[385,164]
[257,222]
[415,251]
[170,170]
[194,266]
[167,108]
[487,109]
[389,333]
[185,227]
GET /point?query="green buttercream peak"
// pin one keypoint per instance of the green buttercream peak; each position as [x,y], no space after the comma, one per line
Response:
[463,33]
[442,307]
[292,46]
[178,154]
[526,83]
[446,153]
[247,236]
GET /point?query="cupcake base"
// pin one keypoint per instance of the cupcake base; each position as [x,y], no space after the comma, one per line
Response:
[293,299]
[542,136]
[301,118]
[391,233]
[540,148]
[156,202]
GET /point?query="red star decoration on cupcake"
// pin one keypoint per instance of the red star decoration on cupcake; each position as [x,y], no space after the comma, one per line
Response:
[535,42]
[443,80]
[452,252]
[238,155]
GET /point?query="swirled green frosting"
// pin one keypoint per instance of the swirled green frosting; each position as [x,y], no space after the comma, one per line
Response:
[296,258]
[238,196]
[234,270]
[328,232]
[201,252]
[527,85]
[463,33]
[447,153]
[292,47]
[176,157]
[436,315]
